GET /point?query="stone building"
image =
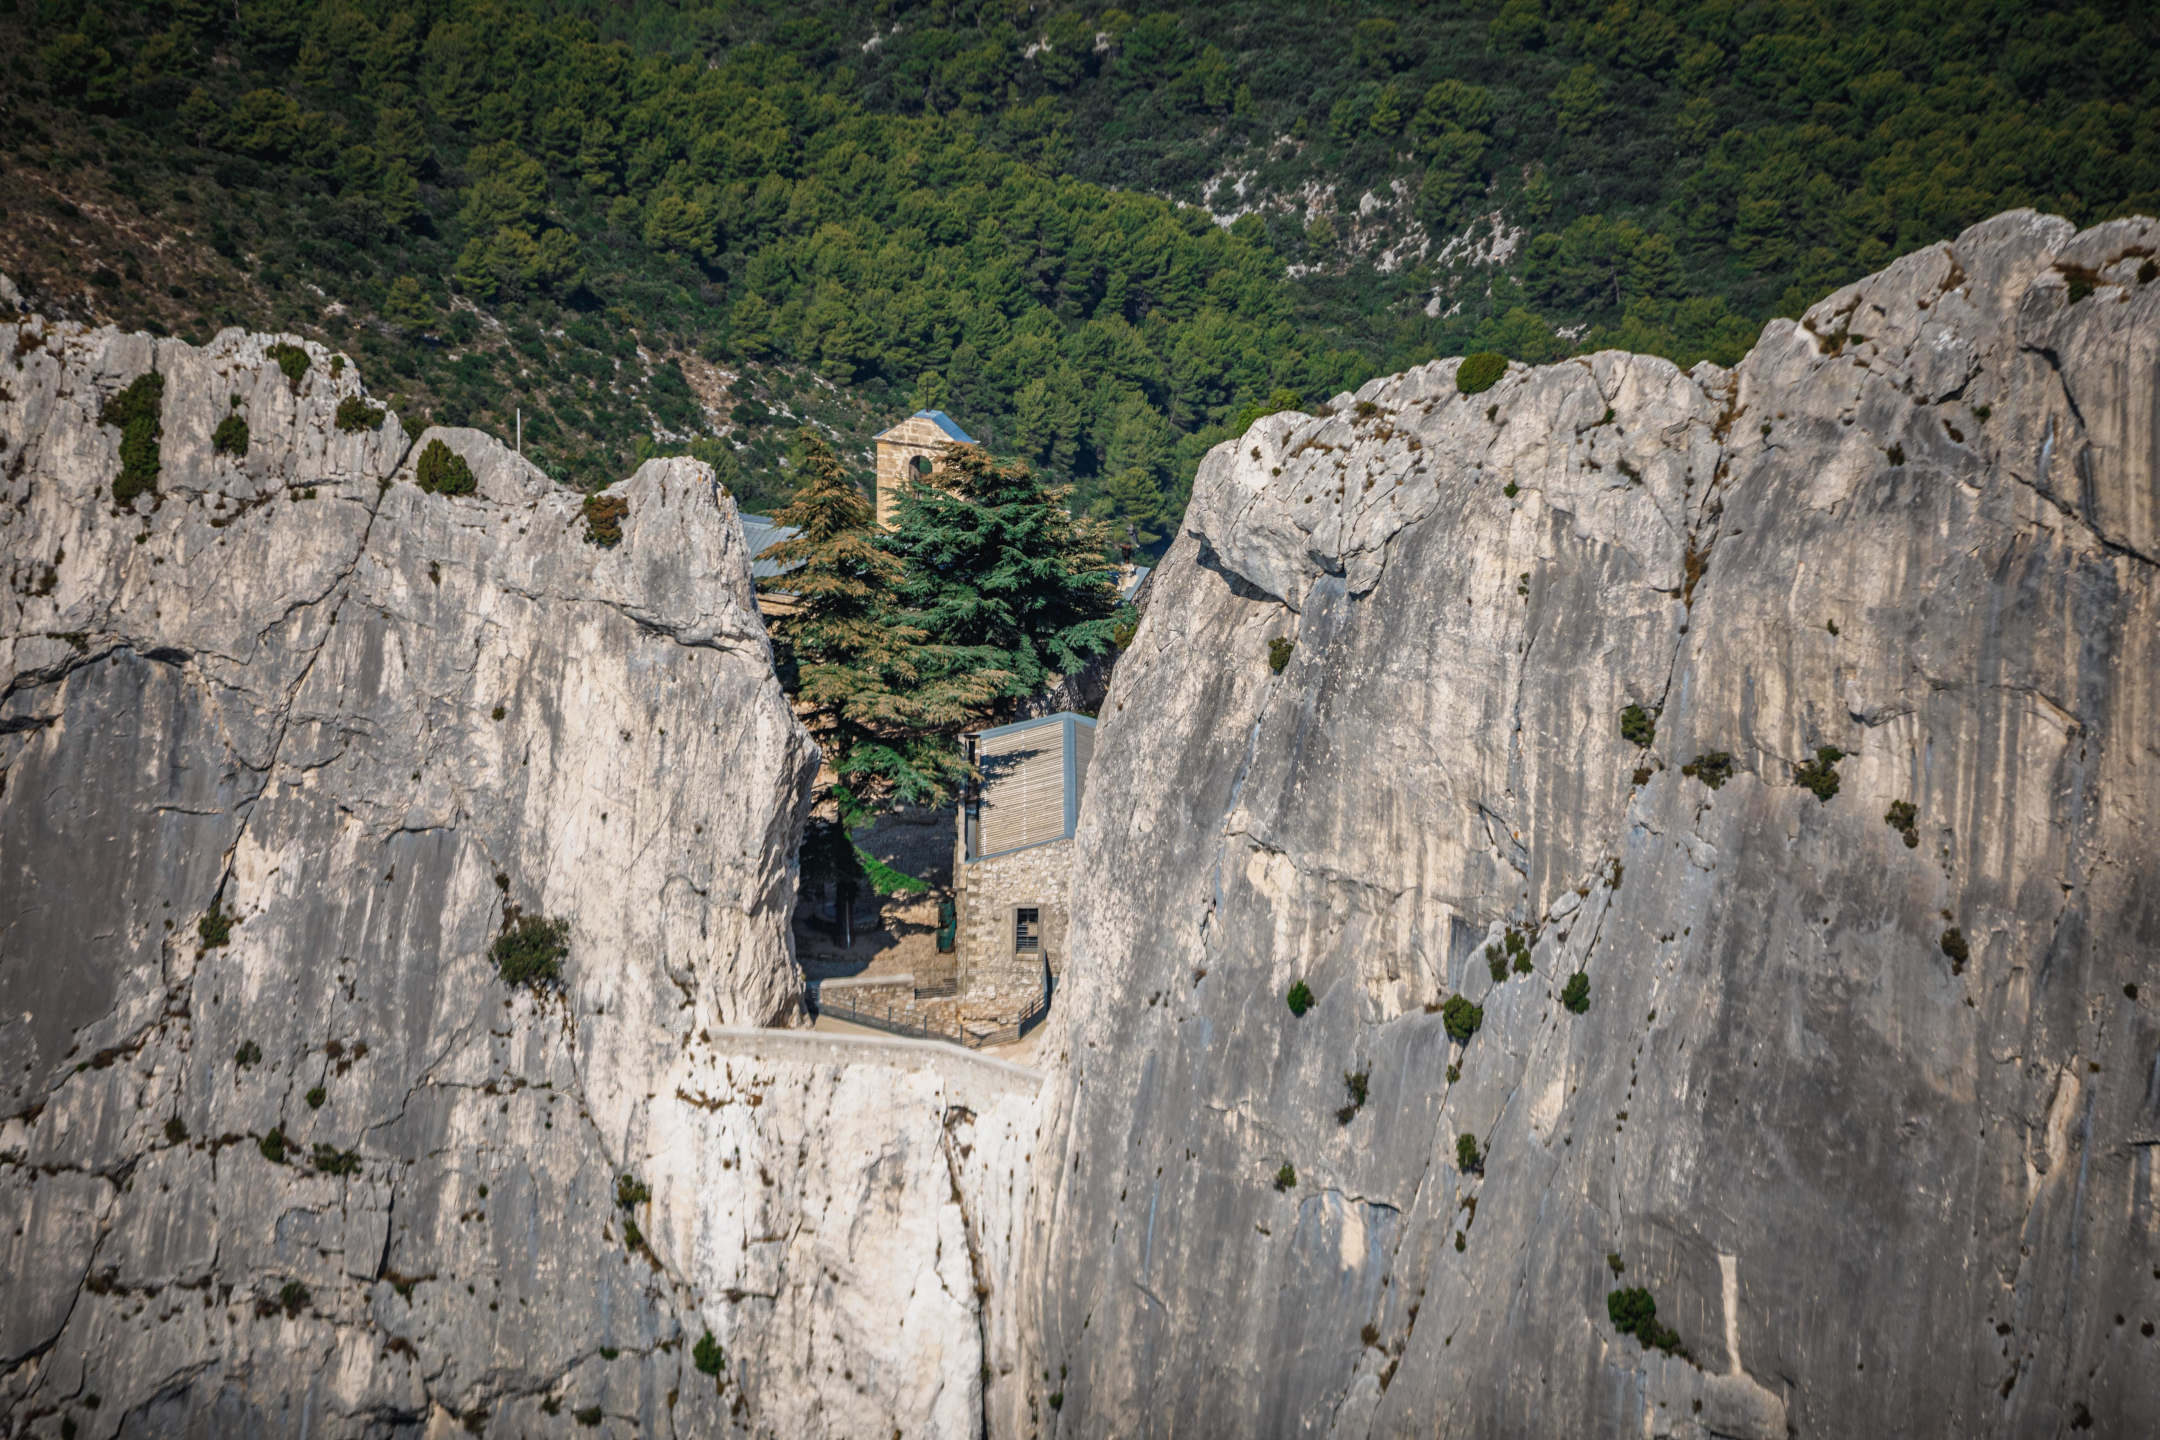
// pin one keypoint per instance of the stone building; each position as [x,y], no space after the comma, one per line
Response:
[912,450]
[1013,862]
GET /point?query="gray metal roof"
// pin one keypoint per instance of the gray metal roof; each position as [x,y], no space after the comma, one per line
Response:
[761,534]
[945,423]
[1034,775]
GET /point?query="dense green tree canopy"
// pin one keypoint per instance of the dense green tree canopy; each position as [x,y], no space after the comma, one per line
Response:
[997,569]
[885,695]
[1099,234]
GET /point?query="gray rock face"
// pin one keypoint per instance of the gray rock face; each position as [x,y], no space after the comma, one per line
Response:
[282,1154]
[1872,1110]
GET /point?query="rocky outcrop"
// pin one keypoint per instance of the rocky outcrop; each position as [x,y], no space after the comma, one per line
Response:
[1860,1082]
[285,740]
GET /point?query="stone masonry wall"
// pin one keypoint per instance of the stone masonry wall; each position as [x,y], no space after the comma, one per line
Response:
[996,985]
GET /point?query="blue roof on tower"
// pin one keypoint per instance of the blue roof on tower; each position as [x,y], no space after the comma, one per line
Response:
[945,423]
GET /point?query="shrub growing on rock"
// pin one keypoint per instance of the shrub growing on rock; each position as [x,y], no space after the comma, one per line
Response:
[292,360]
[136,413]
[442,471]
[1278,652]
[1480,372]
[604,515]
[1575,995]
[1713,768]
[1461,1018]
[1300,998]
[1903,818]
[709,1358]
[1819,775]
[248,1054]
[215,928]
[1634,1312]
[1954,946]
[630,1191]
[1354,1082]
[230,437]
[333,1161]
[355,414]
[1468,1158]
[530,949]
[1286,1178]
[1638,726]
[272,1145]
[292,1298]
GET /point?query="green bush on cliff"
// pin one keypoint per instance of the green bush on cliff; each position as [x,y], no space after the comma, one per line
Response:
[1575,995]
[1300,998]
[1480,372]
[1468,1157]
[1461,1018]
[135,412]
[1638,726]
[709,1358]
[230,437]
[1634,1312]
[604,515]
[292,360]
[442,471]
[1819,776]
[355,414]
[1713,768]
[530,949]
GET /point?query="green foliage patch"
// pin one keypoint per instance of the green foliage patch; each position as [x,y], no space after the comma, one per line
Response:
[136,413]
[1278,652]
[604,516]
[1903,818]
[230,437]
[1713,768]
[332,1161]
[1634,1312]
[1480,372]
[1638,726]
[1355,1084]
[355,414]
[1461,1018]
[1300,998]
[1575,995]
[530,949]
[1286,1178]
[442,471]
[1819,776]
[291,359]
[1468,1157]
[707,1355]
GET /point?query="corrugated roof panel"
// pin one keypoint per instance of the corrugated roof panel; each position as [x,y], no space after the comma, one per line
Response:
[759,535]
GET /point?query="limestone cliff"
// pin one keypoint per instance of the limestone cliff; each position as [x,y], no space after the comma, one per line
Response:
[1863,1084]
[284,738]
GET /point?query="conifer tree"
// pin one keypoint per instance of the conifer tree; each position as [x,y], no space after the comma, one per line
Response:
[885,701]
[1001,574]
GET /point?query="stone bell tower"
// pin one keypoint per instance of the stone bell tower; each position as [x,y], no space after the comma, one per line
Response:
[912,450]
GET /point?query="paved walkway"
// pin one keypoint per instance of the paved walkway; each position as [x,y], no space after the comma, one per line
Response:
[975,1072]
